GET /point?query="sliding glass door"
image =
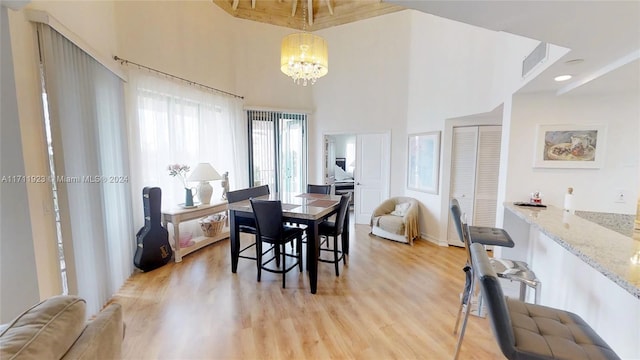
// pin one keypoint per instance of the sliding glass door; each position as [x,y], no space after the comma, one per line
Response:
[278,150]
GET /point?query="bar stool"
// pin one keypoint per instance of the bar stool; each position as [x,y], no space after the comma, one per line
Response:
[530,331]
[508,269]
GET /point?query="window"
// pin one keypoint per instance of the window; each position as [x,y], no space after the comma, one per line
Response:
[173,122]
[278,150]
[86,134]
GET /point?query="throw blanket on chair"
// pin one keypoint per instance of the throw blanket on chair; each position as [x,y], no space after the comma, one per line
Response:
[398,215]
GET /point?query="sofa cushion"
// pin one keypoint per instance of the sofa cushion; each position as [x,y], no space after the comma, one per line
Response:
[401,209]
[390,223]
[45,331]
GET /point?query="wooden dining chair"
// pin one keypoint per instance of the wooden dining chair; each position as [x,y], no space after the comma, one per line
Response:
[334,229]
[271,229]
[246,224]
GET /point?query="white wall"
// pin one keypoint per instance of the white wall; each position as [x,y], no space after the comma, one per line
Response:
[18,278]
[456,70]
[190,39]
[594,189]
[199,41]
[257,69]
[365,90]
[408,72]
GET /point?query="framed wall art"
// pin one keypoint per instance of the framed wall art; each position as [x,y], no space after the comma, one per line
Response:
[570,146]
[424,162]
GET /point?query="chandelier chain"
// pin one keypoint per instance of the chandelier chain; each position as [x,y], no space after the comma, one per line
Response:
[304,15]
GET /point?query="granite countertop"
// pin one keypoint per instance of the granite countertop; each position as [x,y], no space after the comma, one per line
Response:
[607,251]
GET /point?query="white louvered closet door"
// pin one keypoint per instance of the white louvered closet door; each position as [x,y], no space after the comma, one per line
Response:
[487,168]
[474,175]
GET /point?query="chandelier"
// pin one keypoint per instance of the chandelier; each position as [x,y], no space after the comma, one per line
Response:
[303,56]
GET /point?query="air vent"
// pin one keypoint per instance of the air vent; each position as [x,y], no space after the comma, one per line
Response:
[537,56]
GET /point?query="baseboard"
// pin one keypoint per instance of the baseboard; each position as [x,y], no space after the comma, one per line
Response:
[433,240]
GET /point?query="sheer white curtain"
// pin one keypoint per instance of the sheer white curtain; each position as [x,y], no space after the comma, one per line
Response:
[87,119]
[172,122]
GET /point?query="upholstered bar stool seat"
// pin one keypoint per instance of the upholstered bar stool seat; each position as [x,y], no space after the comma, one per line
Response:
[529,331]
[554,333]
[490,236]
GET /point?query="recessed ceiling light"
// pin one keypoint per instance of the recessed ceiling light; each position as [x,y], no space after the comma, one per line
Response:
[562,77]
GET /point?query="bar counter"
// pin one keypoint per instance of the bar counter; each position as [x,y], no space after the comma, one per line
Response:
[605,250]
[584,268]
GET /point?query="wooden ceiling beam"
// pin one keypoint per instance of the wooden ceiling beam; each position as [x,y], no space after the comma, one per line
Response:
[329,6]
[286,13]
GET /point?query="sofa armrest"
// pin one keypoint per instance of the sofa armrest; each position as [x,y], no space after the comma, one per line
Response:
[411,221]
[102,337]
[384,208]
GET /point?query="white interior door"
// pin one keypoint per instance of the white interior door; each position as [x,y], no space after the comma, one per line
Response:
[487,168]
[372,174]
[463,175]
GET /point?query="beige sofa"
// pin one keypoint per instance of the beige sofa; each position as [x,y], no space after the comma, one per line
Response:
[56,329]
[397,219]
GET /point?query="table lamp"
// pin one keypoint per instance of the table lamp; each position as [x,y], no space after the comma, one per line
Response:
[204,173]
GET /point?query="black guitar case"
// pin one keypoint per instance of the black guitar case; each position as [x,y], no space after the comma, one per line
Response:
[153,249]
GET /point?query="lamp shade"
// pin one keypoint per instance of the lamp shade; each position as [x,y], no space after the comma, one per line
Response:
[304,57]
[204,172]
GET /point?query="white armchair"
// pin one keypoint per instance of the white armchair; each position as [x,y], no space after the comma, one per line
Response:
[397,219]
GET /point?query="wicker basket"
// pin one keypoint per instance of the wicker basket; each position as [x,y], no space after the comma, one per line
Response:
[212,228]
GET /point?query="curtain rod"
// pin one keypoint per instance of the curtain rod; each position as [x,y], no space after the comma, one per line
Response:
[125,61]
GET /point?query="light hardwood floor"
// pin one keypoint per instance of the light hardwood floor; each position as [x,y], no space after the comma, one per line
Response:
[391,301]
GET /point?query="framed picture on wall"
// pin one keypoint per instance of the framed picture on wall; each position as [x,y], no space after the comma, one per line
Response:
[570,146]
[424,162]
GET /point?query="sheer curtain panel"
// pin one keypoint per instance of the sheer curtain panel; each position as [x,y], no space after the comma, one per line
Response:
[171,122]
[90,154]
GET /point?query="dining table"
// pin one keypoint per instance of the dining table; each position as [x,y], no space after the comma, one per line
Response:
[308,209]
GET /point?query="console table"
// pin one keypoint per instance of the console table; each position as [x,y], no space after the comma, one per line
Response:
[177,215]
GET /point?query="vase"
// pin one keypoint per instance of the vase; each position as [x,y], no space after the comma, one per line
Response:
[188,200]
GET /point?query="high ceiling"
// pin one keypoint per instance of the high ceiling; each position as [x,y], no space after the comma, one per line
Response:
[604,34]
[319,14]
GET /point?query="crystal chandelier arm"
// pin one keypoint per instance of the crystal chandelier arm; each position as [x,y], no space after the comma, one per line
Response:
[235,5]
[294,7]
[253,4]
[329,6]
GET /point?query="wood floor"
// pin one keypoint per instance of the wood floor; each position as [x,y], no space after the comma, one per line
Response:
[391,301]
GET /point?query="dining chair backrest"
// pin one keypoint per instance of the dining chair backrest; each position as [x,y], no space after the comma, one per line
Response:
[319,189]
[268,215]
[245,194]
[342,212]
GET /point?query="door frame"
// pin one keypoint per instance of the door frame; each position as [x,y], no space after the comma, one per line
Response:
[493,117]
[356,134]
